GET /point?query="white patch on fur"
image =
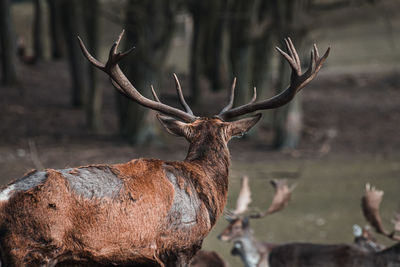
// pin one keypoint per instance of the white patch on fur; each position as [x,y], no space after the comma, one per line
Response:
[185,207]
[92,182]
[5,194]
[357,230]
[23,184]
[247,251]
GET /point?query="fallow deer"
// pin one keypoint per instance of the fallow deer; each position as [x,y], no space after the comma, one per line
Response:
[146,211]
[251,251]
[370,204]
[364,239]
[264,254]
[206,258]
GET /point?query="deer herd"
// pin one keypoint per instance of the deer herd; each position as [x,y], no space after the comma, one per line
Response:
[365,251]
[151,212]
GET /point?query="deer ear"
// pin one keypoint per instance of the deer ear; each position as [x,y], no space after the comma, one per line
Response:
[173,126]
[240,127]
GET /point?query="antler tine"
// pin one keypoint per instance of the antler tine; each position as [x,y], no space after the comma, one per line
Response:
[231,98]
[244,197]
[396,221]
[370,203]
[180,94]
[154,94]
[253,99]
[280,200]
[229,215]
[297,82]
[89,57]
[123,85]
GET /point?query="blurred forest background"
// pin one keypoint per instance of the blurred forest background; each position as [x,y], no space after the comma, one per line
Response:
[56,111]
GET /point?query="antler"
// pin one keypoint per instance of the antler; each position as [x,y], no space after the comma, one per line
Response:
[280,200]
[396,221]
[370,204]
[244,197]
[123,85]
[297,82]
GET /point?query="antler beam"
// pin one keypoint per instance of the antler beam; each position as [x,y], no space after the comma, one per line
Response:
[123,85]
[370,204]
[281,198]
[297,82]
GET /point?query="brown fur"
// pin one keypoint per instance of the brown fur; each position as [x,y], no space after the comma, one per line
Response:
[51,223]
[204,258]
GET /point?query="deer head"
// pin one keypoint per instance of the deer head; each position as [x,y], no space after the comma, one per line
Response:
[364,239]
[195,128]
[239,223]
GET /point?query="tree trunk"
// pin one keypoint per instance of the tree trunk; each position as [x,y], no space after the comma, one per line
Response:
[72,25]
[149,26]
[215,47]
[288,119]
[208,47]
[39,29]
[8,44]
[240,48]
[56,41]
[94,98]
[262,72]
[197,61]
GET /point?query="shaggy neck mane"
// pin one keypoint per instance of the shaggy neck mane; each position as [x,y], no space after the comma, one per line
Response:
[212,153]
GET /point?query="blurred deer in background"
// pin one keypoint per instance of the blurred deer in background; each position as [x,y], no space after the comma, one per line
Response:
[365,239]
[146,211]
[205,258]
[370,204]
[255,253]
[251,251]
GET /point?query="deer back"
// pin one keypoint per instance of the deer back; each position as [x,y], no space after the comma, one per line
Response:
[126,211]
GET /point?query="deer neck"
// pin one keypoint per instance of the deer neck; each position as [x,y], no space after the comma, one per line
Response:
[212,154]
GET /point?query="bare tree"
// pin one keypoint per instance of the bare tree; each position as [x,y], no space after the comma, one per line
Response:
[8,45]
[56,41]
[149,26]
[39,29]
[288,121]
[208,46]
[72,25]
[94,96]
[249,21]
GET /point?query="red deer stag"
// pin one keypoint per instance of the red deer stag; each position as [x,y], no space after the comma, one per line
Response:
[263,254]
[146,211]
